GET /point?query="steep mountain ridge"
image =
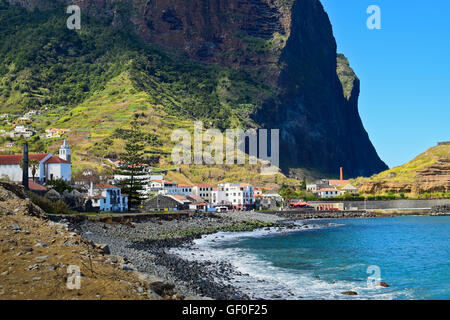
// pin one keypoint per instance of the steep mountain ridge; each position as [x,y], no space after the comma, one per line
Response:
[283,50]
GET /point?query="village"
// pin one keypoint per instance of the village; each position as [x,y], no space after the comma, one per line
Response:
[22,128]
[94,193]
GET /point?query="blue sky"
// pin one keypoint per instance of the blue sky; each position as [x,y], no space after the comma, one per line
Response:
[404,70]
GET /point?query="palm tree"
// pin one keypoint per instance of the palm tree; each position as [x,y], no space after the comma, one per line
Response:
[33,164]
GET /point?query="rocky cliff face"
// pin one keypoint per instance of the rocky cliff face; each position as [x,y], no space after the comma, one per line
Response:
[288,43]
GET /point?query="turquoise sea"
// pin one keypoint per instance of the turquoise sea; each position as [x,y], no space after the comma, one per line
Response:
[327,257]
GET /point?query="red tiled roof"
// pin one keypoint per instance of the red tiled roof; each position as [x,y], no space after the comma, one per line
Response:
[105,186]
[204,185]
[181,185]
[17,158]
[56,160]
[97,197]
[338,182]
[327,189]
[179,197]
[36,186]
[196,198]
[201,203]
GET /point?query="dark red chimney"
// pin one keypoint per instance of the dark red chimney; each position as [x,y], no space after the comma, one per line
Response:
[342,173]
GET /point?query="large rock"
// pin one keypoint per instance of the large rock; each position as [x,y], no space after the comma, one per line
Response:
[163,288]
[103,248]
[74,200]
[53,195]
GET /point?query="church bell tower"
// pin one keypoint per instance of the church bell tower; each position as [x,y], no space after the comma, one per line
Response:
[64,152]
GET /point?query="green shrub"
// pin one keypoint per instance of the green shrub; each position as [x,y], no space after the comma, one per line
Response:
[58,207]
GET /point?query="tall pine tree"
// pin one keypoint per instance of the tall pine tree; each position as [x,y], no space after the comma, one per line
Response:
[133,167]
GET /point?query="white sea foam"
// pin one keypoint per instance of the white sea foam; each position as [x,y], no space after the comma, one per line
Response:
[261,279]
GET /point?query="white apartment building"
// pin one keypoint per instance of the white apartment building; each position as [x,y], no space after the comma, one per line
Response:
[234,194]
[203,191]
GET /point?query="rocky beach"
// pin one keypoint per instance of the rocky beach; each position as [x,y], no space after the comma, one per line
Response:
[147,246]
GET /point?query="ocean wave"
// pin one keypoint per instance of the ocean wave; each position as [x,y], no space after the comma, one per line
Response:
[260,279]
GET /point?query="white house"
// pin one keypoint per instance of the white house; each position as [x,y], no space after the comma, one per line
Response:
[203,191]
[107,197]
[321,184]
[50,167]
[327,193]
[349,189]
[234,194]
[156,185]
[22,131]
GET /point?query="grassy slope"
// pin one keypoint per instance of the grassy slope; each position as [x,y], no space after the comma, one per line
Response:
[408,171]
[113,108]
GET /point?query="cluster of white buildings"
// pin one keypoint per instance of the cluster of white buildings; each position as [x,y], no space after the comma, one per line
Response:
[53,133]
[21,128]
[236,195]
[332,188]
[22,131]
[19,131]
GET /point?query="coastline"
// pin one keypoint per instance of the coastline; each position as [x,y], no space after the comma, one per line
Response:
[147,246]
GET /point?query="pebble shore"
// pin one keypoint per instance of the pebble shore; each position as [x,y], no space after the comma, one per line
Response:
[145,247]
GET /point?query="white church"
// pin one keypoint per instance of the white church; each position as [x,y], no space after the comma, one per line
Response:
[50,167]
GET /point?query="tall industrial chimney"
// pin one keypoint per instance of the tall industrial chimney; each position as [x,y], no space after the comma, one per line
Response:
[342,173]
[25,181]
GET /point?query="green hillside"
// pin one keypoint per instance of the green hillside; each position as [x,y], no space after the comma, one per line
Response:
[410,170]
[43,64]
[95,81]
